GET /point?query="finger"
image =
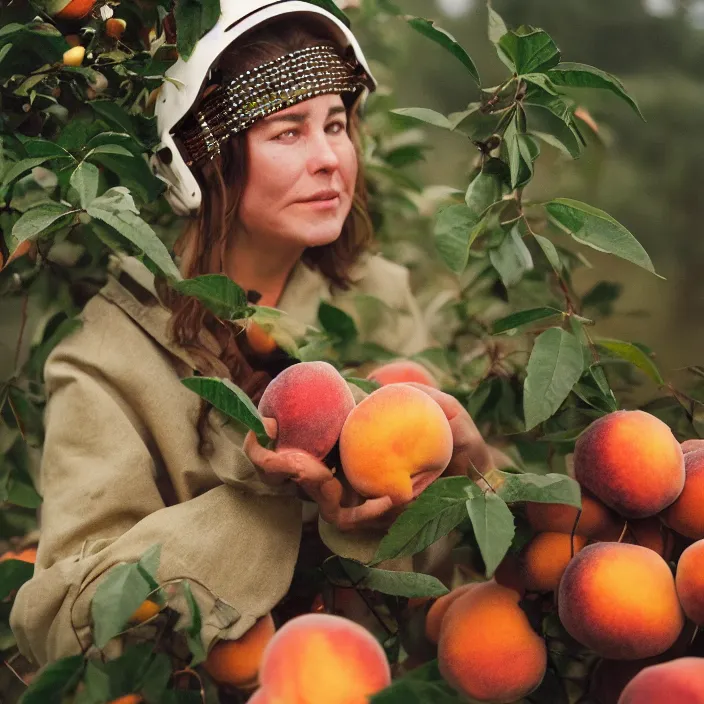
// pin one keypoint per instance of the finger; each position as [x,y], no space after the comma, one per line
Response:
[259,457]
[287,464]
[271,427]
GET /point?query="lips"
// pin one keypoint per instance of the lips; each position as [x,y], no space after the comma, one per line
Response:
[322,195]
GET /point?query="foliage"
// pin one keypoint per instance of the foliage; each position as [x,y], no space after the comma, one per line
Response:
[494,268]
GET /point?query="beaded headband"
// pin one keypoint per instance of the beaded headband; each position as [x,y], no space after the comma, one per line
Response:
[276,85]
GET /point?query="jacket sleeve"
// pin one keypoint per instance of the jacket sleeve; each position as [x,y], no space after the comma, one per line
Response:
[102,507]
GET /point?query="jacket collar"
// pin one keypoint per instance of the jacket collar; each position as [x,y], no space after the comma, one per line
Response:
[130,286]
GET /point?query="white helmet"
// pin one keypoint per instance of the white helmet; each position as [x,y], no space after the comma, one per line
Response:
[175,100]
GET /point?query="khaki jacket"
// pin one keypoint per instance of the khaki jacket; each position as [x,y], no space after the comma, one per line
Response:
[120,470]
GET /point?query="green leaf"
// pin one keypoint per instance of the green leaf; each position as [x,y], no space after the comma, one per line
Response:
[110,149]
[115,115]
[428,29]
[553,129]
[437,511]
[530,50]
[32,223]
[22,493]
[513,149]
[13,574]
[193,19]
[511,258]
[331,7]
[430,117]
[344,572]
[542,81]
[524,317]
[583,76]
[366,385]
[230,400]
[598,230]
[633,354]
[550,252]
[497,26]
[540,488]
[555,366]
[138,232]
[119,594]
[456,227]
[193,636]
[494,528]
[420,685]
[218,293]
[483,191]
[21,167]
[54,681]
[337,322]
[85,180]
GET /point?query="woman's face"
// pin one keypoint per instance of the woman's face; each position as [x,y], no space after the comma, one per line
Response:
[295,155]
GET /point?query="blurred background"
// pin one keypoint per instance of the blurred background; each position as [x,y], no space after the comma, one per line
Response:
[648,175]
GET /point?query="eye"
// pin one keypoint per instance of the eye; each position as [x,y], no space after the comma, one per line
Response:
[287,132]
[340,124]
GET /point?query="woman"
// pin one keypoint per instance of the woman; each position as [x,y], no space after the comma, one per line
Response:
[131,457]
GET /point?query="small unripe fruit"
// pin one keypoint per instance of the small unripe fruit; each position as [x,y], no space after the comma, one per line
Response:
[115,27]
[74,57]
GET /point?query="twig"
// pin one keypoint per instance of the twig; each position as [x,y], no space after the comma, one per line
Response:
[25,301]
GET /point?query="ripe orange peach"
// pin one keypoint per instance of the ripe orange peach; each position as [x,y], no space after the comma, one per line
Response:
[620,601]
[595,521]
[690,582]
[632,462]
[259,339]
[679,681]
[322,659]
[75,10]
[544,559]
[487,648]
[692,445]
[310,402]
[128,699]
[651,533]
[115,27]
[508,574]
[686,515]
[237,662]
[436,613]
[400,371]
[146,610]
[26,555]
[395,443]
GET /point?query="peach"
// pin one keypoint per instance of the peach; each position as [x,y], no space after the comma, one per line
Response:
[692,445]
[487,648]
[146,610]
[436,613]
[237,662]
[259,339]
[631,461]
[685,515]
[595,521]
[689,580]
[620,601]
[26,555]
[395,443]
[652,534]
[544,559]
[310,402]
[680,681]
[400,371]
[508,574]
[322,659]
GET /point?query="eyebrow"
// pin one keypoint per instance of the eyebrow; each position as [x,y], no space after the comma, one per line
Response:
[300,118]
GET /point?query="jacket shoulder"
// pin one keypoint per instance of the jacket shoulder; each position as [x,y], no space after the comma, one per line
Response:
[387,280]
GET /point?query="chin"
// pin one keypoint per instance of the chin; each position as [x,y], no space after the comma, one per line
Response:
[316,235]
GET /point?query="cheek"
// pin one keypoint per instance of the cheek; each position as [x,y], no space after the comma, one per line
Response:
[349,166]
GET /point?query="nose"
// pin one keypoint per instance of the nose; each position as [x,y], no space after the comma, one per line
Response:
[322,155]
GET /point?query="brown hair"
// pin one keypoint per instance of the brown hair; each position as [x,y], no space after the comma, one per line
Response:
[202,245]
